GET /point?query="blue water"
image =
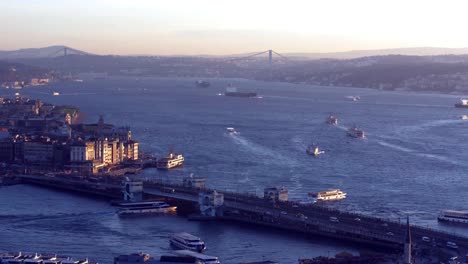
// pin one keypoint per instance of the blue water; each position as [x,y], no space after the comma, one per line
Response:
[413,163]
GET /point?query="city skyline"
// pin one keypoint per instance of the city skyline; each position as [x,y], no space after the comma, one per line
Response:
[213,28]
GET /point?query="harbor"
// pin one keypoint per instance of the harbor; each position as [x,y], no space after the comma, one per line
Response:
[235,164]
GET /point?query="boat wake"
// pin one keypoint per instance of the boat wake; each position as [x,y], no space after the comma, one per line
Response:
[431,124]
[262,151]
[417,153]
[400,148]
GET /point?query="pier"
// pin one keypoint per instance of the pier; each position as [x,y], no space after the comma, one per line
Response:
[251,209]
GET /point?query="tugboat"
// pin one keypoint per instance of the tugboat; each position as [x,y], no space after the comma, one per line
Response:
[171,161]
[202,83]
[314,150]
[356,132]
[332,120]
[232,91]
[462,104]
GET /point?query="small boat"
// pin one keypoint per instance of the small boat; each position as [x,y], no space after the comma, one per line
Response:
[330,195]
[356,132]
[202,83]
[464,117]
[463,103]
[145,208]
[55,93]
[314,150]
[332,120]
[231,130]
[187,241]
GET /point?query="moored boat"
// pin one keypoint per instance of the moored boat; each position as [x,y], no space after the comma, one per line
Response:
[145,208]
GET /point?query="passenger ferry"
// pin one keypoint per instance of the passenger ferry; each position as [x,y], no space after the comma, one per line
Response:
[462,104]
[171,161]
[145,208]
[202,258]
[330,195]
[187,241]
[314,150]
[453,216]
[332,120]
[55,93]
[356,132]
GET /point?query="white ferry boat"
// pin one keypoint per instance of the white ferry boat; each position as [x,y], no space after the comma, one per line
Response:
[145,208]
[330,195]
[453,216]
[231,130]
[356,132]
[55,93]
[464,117]
[171,161]
[202,258]
[187,241]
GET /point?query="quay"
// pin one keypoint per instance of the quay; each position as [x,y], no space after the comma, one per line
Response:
[247,208]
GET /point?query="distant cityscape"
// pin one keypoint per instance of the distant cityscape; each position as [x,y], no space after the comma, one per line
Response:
[438,73]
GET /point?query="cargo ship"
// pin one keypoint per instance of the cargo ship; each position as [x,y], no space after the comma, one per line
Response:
[462,104]
[232,91]
[171,161]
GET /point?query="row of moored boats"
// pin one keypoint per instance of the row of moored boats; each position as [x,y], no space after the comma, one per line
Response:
[24,258]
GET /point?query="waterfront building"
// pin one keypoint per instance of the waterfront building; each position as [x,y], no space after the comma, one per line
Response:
[82,151]
[38,151]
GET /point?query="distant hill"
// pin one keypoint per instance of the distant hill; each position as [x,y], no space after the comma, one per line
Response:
[417,51]
[10,72]
[34,53]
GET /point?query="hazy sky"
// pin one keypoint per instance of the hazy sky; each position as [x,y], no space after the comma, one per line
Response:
[235,26]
